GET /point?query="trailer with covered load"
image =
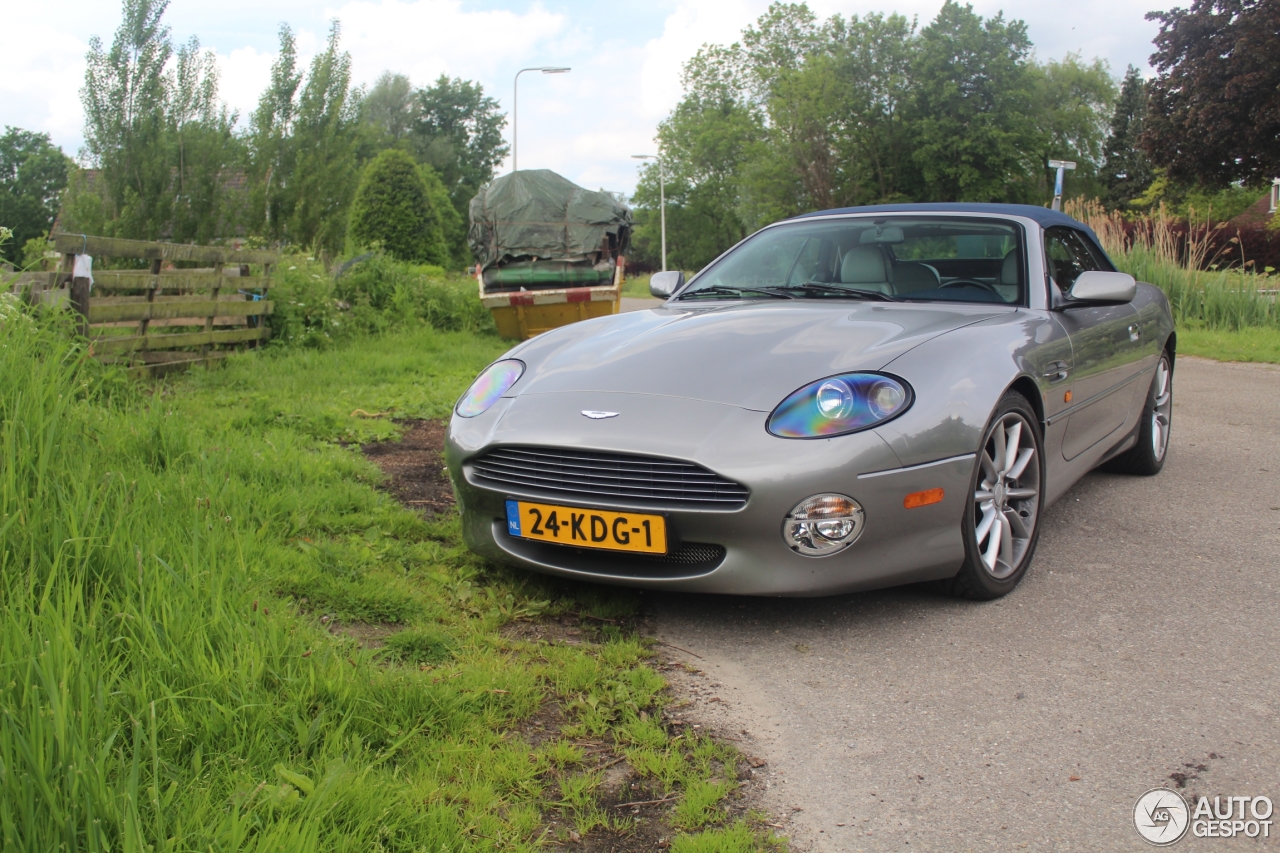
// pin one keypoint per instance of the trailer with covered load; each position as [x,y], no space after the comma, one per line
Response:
[550,252]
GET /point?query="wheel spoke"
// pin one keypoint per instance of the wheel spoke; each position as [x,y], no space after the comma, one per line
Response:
[1163,400]
[1021,494]
[993,544]
[989,468]
[1024,456]
[984,526]
[1013,520]
[1012,443]
[1001,445]
[1006,542]
[982,496]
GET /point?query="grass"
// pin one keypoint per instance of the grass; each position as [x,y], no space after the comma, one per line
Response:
[172,562]
[1256,344]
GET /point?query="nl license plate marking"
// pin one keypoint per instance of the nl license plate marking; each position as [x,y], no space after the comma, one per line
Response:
[588,528]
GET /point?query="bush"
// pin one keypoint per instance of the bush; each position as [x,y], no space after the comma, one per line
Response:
[375,295]
[393,210]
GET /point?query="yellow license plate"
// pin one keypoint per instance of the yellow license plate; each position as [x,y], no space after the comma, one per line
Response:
[588,528]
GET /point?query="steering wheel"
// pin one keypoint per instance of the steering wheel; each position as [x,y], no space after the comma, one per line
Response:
[971,282]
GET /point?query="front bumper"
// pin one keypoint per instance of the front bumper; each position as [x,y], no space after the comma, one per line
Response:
[897,545]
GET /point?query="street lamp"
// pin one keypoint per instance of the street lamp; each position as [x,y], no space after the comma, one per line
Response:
[515,109]
[662,200]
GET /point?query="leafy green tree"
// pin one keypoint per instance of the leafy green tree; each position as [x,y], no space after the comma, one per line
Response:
[162,141]
[1073,102]
[272,152]
[392,209]
[324,141]
[457,129]
[33,174]
[1128,172]
[390,109]
[971,112]
[125,98]
[1214,109]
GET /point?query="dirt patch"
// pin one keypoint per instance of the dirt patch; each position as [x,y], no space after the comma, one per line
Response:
[414,465]
[367,635]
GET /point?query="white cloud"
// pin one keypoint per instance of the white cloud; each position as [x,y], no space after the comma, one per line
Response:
[586,124]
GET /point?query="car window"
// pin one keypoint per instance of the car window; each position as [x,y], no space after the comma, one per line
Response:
[1068,256]
[916,258]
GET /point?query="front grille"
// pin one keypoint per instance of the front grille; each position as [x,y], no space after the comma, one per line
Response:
[583,475]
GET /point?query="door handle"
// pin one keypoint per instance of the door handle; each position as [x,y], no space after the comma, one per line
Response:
[1135,332]
[1057,371]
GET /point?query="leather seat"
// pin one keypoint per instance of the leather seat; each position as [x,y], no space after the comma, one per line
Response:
[866,268]
[1009,275]
[910,276]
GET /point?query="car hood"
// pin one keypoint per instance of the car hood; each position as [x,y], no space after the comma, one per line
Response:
[746,354]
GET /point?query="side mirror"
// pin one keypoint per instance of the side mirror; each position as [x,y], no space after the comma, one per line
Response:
[1097,286]
[663,284]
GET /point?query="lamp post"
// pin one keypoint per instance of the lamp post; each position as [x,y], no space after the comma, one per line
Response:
[662,200]
[1062,166]
[515,109]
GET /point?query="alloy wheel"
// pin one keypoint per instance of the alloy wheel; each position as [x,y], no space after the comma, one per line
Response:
[1162,409]
[1007,499]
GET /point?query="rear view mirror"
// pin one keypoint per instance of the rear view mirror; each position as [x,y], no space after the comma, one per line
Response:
[663,284]
[1097,286]
[883,234]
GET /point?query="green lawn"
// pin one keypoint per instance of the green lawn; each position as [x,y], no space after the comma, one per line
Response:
[1250,344]
[172,562]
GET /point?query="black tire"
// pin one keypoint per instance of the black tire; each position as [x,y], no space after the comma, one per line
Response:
[1007,489]
[1146,458]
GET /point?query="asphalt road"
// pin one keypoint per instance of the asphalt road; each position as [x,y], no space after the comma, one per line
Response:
[1144,643]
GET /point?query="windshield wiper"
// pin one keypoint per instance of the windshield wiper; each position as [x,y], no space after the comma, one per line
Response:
[821,287]
[721,290]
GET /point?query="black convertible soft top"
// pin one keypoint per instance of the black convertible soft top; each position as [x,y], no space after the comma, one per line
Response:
[1043,215]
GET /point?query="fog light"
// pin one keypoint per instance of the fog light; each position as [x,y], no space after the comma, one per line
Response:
[823,524]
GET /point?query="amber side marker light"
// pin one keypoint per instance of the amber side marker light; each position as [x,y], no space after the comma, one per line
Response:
[918,499]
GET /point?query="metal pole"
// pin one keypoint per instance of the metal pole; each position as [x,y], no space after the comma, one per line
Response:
[662,204]
[515,109]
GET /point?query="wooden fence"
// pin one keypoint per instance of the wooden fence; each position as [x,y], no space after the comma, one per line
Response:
[161,319]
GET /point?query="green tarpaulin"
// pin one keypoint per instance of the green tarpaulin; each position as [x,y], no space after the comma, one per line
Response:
[536,213]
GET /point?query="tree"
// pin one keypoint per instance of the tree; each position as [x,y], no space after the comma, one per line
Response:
[1127,173]
[1215,100]
[1073,101]
[272,153]
[390,108]
[325,135]
[457,129]
[972,106]
[392,210]
[124,99]
[157,132]
[33,173]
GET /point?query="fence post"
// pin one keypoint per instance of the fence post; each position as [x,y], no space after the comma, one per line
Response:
[78,290]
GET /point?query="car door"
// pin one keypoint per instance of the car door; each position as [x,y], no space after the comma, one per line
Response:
[1105,344]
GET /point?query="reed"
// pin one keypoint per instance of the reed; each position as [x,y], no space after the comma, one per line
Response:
[1204,291]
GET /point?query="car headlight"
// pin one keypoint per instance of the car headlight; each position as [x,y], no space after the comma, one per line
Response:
[840,404]
[494,381]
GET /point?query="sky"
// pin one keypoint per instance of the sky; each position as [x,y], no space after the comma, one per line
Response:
[586,124]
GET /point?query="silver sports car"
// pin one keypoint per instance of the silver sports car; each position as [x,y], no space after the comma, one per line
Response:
[845,400]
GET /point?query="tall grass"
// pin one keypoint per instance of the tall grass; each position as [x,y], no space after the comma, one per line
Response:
[171,562]
[1203,292]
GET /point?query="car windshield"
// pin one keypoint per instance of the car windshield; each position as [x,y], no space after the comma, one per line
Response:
[917,258]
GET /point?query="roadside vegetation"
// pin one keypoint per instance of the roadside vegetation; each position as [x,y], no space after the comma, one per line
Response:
[1224,309]
[218,633]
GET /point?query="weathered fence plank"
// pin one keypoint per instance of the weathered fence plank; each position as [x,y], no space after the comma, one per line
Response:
[105,312]
[73,244]
[150,343]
